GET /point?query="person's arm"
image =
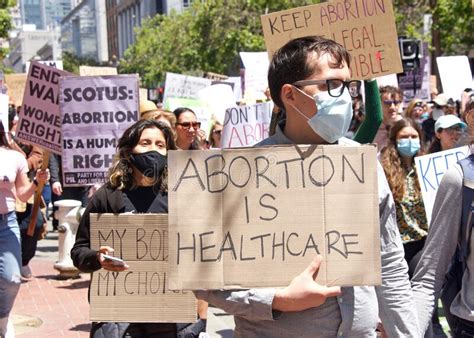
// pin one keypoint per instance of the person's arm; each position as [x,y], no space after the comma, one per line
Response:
[396,306]
[54,168]
[302,293]
[439,247]
[83,257]
[373,113]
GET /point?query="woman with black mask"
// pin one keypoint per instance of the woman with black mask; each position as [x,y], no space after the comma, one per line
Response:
[136,183]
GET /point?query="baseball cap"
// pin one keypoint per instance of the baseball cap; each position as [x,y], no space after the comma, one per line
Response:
[447,121]
[442,100]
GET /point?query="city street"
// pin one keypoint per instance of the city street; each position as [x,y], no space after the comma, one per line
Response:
[49,307]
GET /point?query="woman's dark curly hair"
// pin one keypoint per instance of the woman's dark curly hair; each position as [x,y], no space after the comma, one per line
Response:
[121,173]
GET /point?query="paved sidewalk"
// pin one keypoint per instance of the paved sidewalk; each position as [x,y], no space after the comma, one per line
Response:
[49,307]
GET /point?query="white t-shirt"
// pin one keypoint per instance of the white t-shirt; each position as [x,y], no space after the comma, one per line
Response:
[12,164]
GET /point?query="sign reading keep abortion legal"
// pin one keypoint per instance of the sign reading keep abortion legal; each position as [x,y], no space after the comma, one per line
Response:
[273,210]
[95,111]
[365,28]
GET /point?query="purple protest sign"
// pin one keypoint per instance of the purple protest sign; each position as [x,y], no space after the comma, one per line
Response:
[95,111]
[39,119]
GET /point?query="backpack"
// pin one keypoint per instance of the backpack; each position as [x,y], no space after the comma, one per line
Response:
[453,279]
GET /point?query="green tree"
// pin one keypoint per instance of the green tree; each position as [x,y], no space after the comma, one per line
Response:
[71,62]
[206,37]
[5,26]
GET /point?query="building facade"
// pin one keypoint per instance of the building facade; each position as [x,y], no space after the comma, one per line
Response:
[44,14]
[84,31]
[25,46]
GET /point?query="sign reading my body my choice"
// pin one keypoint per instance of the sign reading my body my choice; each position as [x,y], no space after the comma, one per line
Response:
[273,210]
[365,28]
[95,111]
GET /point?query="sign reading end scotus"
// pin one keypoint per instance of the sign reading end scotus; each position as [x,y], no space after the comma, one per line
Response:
[139,294]
[366,28]
[257,217]
[95,111]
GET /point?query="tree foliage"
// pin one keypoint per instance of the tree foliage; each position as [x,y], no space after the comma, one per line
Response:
[206,37]
[72,62]
[452,23]
[209,35]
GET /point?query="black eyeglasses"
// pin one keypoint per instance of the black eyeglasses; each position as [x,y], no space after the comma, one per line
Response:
[334,87]
[187,125]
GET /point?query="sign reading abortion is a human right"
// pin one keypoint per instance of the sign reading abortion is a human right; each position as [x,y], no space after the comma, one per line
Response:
[95,111]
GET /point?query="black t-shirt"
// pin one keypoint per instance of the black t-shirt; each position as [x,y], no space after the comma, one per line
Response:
[145,200]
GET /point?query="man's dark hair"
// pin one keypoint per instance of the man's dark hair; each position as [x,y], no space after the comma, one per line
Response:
[290,63]
[393,91]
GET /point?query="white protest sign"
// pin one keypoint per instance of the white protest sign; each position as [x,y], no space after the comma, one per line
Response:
[58,64]
[256,71]
[4,111]
[366,29]
[184,86]
[139,294]
[256,217]
[198,106]
[455,74]
[217,98]
[95,111]
[431,169]
[39,119]
[245,126]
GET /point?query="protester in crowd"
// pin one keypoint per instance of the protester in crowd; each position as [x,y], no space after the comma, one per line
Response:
[448,130]
[358,115]
[161,115]
[398,163]
[59,192]
[309,78]
[189,134]
[146,106]
[391,99]
[439,108]
[14,184]
[449,210]
[137,182]
[215,135]
[466,116]
[416,110]
[34,158]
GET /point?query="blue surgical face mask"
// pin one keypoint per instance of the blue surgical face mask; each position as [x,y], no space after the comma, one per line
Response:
[408,147]
[424,116]
[333,117]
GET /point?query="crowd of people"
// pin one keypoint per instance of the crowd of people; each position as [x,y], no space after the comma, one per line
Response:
[310,83]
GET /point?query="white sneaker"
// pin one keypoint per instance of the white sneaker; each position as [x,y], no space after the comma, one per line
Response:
[25,271]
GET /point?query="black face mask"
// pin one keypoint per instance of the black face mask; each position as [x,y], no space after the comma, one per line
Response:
[151,164]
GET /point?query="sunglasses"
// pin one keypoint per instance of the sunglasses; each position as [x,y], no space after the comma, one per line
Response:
[390,102]
[218,132]
[188,125]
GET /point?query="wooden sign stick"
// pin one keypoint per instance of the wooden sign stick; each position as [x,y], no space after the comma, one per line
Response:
[39,191]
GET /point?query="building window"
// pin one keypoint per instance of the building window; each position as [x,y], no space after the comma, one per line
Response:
[187,3]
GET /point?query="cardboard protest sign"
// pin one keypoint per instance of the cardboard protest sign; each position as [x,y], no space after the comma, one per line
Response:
[94,71]
[431,169]
[16,84]
[198,106]
[139,294]
[95,111]
[366,29]
[217,98]
[183,86]
[455,74]
[245,126]
[256,217]
[58,64]
[39,120]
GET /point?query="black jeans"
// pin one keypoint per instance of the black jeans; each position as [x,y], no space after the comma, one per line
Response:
[463,328]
